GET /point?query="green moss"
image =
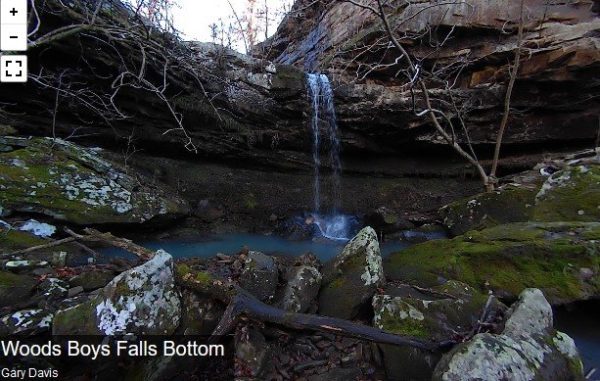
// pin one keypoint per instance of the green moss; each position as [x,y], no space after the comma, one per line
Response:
[250,201]
[181,269]
[572,194]
[7,130]
[507,259]
[204,277]
[509,204]
[288,77]
[8,279]
[13,240]
[68,182]
[404,327]
[336,283]
[35,184]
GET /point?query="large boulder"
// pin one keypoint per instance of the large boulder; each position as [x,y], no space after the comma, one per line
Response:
[12,240]
[142,300]
[259,275]
[435,315]
[301,289]
[562,259]
[509,203]
[71,183]
[351,279]
[571,194]
[559,190]
[529,349]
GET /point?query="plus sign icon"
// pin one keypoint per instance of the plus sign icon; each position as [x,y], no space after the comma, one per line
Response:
[13,69]
[13,25]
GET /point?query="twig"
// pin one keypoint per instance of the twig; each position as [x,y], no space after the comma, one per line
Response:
[38,247]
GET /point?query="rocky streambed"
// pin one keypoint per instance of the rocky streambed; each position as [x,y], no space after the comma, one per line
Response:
[476,304]
[94,300]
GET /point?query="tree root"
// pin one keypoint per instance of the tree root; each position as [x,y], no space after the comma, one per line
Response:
[241,304]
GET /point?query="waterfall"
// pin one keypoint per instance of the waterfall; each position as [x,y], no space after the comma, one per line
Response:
[314,90]
[323,111]
[334,142]
[332,224]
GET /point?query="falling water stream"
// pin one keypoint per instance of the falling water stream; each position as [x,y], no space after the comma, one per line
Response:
[331,223]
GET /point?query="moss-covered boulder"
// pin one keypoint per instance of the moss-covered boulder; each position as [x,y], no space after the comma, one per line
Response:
[432,316]
[142,300]
[437,316]
[13,240]
[572,193]
[529,349]
[75,184]
[351,279]
[509,203]
[561,259]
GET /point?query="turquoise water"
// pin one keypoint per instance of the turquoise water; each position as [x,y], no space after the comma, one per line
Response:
[233,243]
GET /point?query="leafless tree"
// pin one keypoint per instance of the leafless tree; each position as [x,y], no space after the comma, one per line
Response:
[444,109]
[141,36]
[251,24]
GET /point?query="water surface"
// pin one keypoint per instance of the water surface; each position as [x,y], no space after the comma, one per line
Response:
[233,243]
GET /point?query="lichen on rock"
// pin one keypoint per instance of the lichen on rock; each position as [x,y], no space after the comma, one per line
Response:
[434,315]
[301,289]
[72,183]
[142,300]
[30,321]
[527,350]
[351,278]
[259,275]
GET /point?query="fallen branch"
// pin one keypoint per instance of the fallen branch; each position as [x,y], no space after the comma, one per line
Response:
[39,247]
[91,235]
[122,243]
[242,304]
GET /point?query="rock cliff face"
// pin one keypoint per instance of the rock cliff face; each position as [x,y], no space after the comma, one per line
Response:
[555,97]
[259,111]
[122,84]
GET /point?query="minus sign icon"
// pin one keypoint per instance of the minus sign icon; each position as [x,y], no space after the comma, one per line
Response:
[13,37]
